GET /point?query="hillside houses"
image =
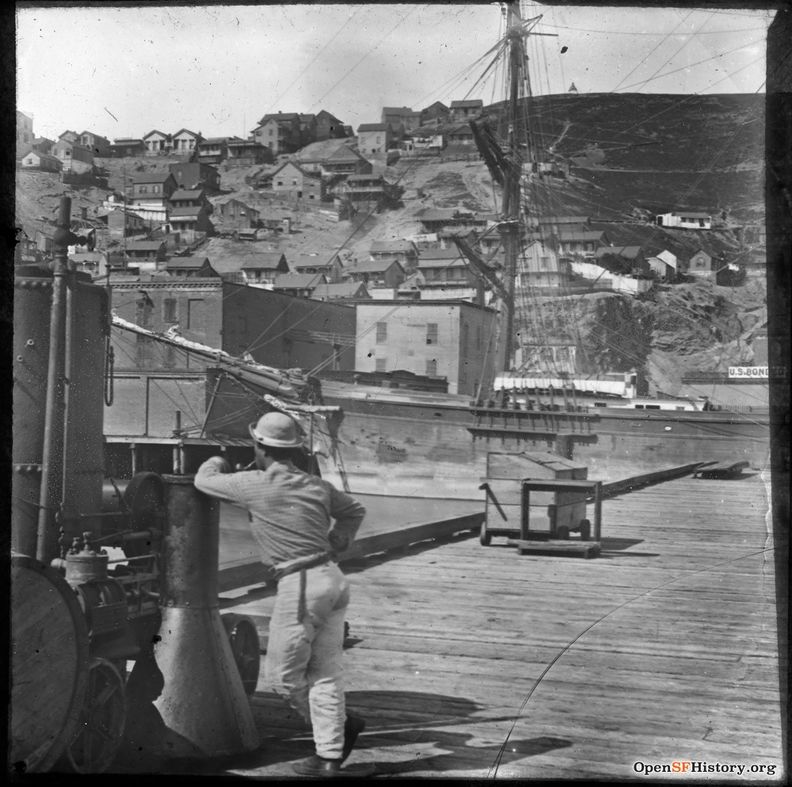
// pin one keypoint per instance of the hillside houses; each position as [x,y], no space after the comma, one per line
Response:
[686,220]
[235,214]
[74,157]
[444,267]
[435,219]
[374,139]
[400,120]
[300,285]
[265,268]
[123,147]
[701,265]
[195,175]
[291,180]
[340,291]
[41,161]
[157,142]
[332,268]
[402,251]
[466,109]
[196,267]
[280,132]
[387,273]
[580,242]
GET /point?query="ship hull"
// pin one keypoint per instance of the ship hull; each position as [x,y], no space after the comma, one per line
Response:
[395,445]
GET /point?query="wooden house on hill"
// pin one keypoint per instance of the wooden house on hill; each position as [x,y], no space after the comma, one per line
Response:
[41,161]
[280,132]
[378,273]
[196,175]
[328,126]
[466,109]
[700,264]
[403,251]
[292,180]
[265,267]
[374,139]
[301,285]
[340,291]
[191,267]
[157,143]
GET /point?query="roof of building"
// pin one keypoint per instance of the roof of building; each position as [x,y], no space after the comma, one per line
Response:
[345,153]
[151,177]
[628,252]
[267,260]
[372,127]
[344,289]
[384,246]
[155,131]
[310,261]
[127,141]
[214,141]
[562,219]
[187,132]
[237,142]
[374,266]
[366,179]
[468,102]
[433,258]
[94,135]
[584,235]
[144,245]
[186,194]
[279,116]
[297,281]
[693,214]
[187,262]
[44,157]
[303,171]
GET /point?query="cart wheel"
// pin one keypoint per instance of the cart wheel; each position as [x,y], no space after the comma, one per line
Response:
[562,533]
[484,536]
[103,717]
[585,529]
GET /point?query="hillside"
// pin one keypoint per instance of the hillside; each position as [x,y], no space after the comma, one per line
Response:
[631,156]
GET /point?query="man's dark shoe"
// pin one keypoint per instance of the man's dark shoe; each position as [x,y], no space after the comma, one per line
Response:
[319,767]
[353,726]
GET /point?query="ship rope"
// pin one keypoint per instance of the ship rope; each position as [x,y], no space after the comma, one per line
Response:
[493,772]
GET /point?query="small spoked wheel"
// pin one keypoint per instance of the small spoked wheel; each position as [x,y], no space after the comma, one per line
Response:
[484,536]
[101,728]
[585,529]
[245,648]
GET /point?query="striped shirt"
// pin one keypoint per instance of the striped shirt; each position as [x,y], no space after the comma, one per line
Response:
[290,511]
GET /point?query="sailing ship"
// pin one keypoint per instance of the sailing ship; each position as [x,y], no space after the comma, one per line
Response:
[422,443]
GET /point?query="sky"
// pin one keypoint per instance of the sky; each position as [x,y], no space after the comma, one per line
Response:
[217,69]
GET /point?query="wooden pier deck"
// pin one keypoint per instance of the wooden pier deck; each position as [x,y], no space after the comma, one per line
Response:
[477,662]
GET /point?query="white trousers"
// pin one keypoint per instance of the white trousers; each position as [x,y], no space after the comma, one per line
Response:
[305,651]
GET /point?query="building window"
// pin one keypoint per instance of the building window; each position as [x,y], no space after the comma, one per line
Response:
[169,310]
[431,367]
[195,314]
[379,364]
[382,332]
[431,333]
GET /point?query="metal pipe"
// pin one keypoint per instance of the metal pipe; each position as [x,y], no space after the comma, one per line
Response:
[68,364]
[52,452]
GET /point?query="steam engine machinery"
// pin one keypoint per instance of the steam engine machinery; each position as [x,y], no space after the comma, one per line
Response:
[90,555]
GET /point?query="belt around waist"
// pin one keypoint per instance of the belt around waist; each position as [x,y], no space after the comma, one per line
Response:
[298,564]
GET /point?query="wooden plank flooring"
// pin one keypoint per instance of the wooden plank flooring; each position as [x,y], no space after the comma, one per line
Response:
[476,662]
